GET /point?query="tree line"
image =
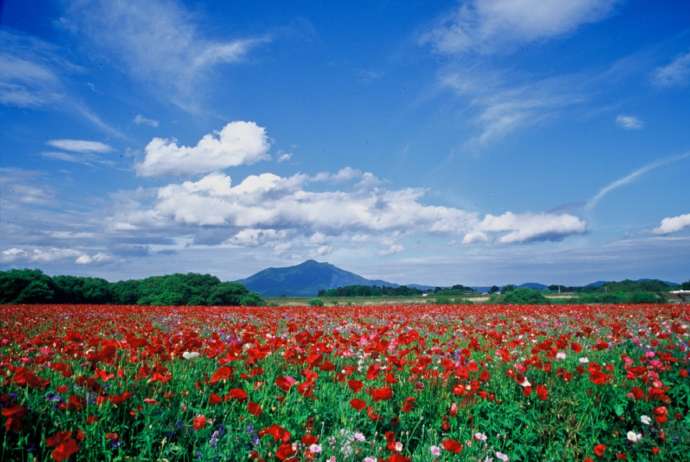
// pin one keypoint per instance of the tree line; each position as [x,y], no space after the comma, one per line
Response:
[34,286]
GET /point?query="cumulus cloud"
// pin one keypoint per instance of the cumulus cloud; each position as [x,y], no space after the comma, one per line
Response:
[51,254]
[238,143]
[519,228]
[629,122]
[157,42]
[86,259]
[673,224]
[81,146]
[489,26]
[252,237]
[283,213]
[141,120]
[269,200]
[674,74]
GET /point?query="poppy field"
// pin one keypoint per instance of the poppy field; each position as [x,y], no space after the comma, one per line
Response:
[397,383]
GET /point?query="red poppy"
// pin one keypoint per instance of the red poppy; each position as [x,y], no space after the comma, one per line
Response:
[64,446]
[408,404]
[542,392]
[358,404]
[236,393]
[277,432]
[285,451]
[254,409]
[355,385]
[381,394]
[13,417]
[599,450]
[222,373]
[285,382]
[452,445]
[199,422]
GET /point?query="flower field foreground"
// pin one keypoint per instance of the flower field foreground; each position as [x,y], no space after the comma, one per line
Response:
[398,383]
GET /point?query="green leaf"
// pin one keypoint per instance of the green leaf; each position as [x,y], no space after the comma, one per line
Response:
[618,409]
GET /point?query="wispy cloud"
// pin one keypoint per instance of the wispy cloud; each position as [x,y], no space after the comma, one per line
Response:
[34,75]
[629,122]
[502,107]
[81,146]
[141,120]
[674,74]
[158,42]
[29,71]
[490,26]
[19,186]
[631,178]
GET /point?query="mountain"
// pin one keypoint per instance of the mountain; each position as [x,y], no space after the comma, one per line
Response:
[533,285]
[305,279]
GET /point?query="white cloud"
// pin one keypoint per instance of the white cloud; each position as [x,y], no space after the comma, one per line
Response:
[631,178]
[238,143]
[86,259]
[324,250]
[283,214]
[475,236]
[392,247]
[268,200]
[26,84]
[674,74]
[252,237]
[18,186]
[51,254]
[502,106]
[527,227]
[158,42]
[673,224]
[629,122]
[34,75]
[141,120]
[81,146]
[489,26]
[284,156]
[28,72]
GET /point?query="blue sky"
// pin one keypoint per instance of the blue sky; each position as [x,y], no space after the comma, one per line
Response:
[470,142]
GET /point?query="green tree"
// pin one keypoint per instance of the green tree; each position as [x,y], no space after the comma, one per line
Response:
[13,282]
[38,291]
[227,293]
[520,296]
[126,292]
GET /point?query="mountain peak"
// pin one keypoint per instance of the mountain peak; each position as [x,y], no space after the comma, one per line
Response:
[305,279]
[312,262]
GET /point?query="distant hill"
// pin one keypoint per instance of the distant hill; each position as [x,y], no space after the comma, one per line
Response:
[533,285]
[305,280]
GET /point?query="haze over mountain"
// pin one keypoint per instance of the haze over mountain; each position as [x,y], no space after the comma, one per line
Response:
[309,277]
